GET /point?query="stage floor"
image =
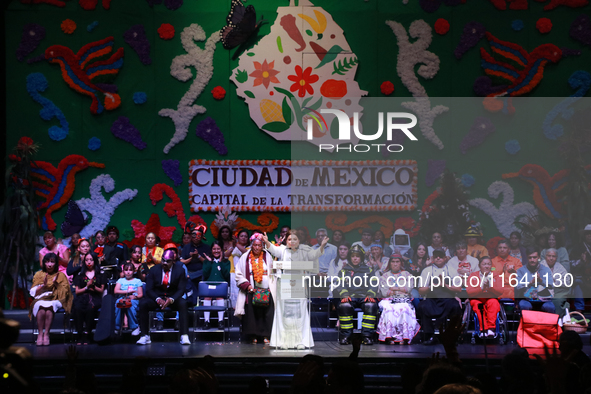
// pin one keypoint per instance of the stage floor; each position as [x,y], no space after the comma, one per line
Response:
[236,350]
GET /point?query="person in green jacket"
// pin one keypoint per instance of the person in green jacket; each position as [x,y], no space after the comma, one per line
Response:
[215,270]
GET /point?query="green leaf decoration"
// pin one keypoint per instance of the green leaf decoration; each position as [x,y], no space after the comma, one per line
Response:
[316,105]
[251,54]
[345,66]
[306,101]
[275,127]
[241,76]
[287,114]
[279,45]
[330,55]
[249,93]
[309,32]
[285,92]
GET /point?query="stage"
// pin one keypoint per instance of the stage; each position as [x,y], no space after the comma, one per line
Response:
[236,363]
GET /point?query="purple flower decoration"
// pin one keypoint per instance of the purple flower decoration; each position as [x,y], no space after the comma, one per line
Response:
[512,147]
[135,36]
[481,127]
[173,4]
[124,130]
[30,40]
[430,5]
[172,170]
[434,170]
[580,29]
[209,131]
[472,33]
[170,4]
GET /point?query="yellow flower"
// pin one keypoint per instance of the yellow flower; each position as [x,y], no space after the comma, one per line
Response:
[318,25]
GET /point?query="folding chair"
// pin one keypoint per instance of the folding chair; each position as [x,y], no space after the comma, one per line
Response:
[211,290]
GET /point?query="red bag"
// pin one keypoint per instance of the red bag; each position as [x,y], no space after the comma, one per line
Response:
[537,329]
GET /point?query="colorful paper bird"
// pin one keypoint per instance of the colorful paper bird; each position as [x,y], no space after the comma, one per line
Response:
[522,70]
[56,185]
[80,69]
[545,186]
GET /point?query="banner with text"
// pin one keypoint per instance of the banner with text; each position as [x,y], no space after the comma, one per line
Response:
[283,185]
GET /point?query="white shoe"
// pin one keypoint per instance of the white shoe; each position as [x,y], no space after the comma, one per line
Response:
[283,347]
[185,340]
[490,334]
[116,332]
[135,332]
[145,340]
[301,347]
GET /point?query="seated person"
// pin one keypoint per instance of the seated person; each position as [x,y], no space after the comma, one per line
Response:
[353,296]
[505,264]
[485,291]
[398,322]
[462,262]
[215,270]
[581,269]
[366,240]
[563,281]
[50,291]
[131,287]
[440,303]
[165,286]
[534,282]
[376,259]
[89,285]
[475,249]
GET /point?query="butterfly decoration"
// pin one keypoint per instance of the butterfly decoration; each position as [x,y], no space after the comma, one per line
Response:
[74,220]
[241,24]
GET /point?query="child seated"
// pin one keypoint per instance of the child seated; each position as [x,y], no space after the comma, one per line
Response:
[129,287]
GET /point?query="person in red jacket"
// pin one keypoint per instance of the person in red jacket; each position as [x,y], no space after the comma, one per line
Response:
[484,287]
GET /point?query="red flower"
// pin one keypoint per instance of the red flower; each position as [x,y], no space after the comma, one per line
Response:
[441,26]
[166,31]
[25,141]
[303,81]
[387,88]
[14,158]
[544,25]
[218,93]
[264,74]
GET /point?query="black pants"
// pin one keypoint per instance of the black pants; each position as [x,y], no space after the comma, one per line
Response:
[346,311]
[147,305]
[85,310]
[439,309]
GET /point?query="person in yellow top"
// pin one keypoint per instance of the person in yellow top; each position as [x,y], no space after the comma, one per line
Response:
[151,253]
[475,249]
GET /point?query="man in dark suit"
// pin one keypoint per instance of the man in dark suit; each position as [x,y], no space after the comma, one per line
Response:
[165,286]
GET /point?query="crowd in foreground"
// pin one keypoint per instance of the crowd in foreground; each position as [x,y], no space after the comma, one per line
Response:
[401,291]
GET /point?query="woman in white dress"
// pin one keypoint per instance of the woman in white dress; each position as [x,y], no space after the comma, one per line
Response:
[51,291]
[398,322]
[291,327]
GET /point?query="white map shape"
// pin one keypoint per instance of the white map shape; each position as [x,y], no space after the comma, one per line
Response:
[298,38]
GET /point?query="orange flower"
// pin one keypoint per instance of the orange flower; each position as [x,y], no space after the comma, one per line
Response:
[303,81]
[68,26]
[264,74]
[257,267]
